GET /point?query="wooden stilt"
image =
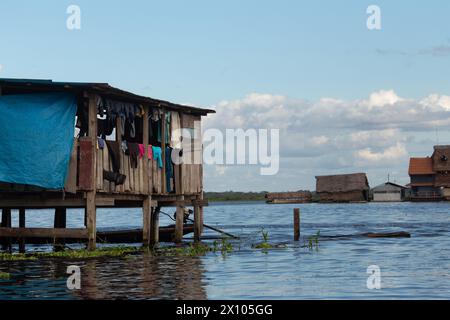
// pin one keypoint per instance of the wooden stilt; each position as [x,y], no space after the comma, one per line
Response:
[60,223]
[154,226]
[91,220]
[6,223]
[197,223]
[296,224]
[147,215]
[201,218]
[179,221]
[91,213]
[22,225]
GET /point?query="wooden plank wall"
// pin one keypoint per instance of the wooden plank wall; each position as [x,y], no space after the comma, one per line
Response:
[192,174]
[135,181]
[188,177]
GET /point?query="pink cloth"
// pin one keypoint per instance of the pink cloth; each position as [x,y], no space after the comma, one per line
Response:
[141,150]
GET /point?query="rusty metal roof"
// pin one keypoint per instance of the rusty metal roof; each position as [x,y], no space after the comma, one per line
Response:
[11,86]
[421,166]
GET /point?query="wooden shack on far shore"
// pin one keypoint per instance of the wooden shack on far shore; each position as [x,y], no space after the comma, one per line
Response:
[289,197]
[343,188]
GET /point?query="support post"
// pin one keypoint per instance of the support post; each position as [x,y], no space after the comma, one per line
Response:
[59,223]
[22,225]
[145,142]
[147,215]
[197,223]
[296,224]
[154,226]
[6,223]
[179,224]
[91,219]
[163,151]
[201,218]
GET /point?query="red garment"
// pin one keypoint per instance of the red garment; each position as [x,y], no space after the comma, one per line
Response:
[141,150]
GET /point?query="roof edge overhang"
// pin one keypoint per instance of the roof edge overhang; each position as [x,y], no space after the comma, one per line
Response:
[99,88]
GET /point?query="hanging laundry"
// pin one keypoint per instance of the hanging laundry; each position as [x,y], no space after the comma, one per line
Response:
[114,155]
[175,138]
[141,151]
[153,127]
[104,128]
[157,155]
[133,152]
[124,146]
[101,143]
[169,169]
[167,124]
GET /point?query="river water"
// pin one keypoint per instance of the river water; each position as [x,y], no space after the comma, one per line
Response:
[410,268]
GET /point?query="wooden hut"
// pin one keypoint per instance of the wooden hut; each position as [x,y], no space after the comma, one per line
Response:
[119,155]
[288,197]
[343,188]
[389,192]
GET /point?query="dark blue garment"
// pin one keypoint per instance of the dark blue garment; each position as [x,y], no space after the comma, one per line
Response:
[169,168]
[36,138]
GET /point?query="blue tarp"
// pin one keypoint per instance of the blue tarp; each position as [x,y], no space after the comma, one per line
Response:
[36,138]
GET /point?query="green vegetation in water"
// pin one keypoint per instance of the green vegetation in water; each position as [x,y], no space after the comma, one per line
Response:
[5,276]
[16,257]
[313,242]
[191,250]
[194,250]
[235,196]
[265,244]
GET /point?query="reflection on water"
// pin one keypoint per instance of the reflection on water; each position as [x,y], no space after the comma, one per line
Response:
[135,277]
[411,268]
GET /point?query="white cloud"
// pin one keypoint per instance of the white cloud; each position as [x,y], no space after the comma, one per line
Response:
[331,135]
[1,67]
[396,152]
[383,98]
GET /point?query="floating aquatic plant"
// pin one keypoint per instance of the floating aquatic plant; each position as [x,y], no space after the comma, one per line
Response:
[5,276]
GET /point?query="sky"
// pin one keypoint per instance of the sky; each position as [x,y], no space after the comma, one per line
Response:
[345,98]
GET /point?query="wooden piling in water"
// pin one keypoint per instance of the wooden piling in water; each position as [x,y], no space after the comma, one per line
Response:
[60,222]
[6,223]
[147,216]
[154,227]
[179,221]
[22,225]
[198,225]
[296,224]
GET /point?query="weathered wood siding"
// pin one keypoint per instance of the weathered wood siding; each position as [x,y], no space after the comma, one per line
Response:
[135,180]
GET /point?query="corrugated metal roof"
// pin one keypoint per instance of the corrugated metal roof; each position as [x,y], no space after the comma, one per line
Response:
[388,186]
[98,87]
[420,166]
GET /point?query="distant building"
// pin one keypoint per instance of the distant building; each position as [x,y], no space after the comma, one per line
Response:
[289,197]
[441,167]
[424,185]
[343,188]
[389,192]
